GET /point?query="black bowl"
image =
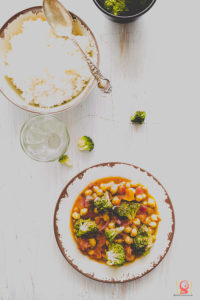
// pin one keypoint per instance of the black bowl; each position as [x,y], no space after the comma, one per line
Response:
[123,19]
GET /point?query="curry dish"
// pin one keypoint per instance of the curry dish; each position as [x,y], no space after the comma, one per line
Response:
[115,221]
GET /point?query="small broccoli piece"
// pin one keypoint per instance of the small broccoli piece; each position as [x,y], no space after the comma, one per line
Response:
[83,227]
[112,233]
[143,230]
[85,143]
[127,209]
[103,203]
[138,117]
[142,243]
[65,160]
[116,7]
[115,255]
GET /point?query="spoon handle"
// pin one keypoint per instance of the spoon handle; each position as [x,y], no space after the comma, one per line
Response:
[103,83]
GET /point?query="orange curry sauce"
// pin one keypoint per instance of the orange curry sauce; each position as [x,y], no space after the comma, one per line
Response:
[96,244]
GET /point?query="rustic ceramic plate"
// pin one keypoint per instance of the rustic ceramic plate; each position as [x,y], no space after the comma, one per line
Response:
[12,27]
[93,269]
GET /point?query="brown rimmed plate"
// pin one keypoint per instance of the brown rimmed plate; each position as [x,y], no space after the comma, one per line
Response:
[91,268]
[5,88]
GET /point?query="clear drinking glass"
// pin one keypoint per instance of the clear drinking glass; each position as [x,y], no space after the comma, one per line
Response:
[44,138]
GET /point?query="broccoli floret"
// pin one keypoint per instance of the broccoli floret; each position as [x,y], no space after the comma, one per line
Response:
[112,233]
[83,227]
[143,230]
[115,255]
[127,209]
[103,203]
[142,243]
[116,7]
[85,143]
[138,117]
[65,160]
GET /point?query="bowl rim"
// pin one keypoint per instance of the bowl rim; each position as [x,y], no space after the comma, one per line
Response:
[63,194]
[35,10]
[96,2]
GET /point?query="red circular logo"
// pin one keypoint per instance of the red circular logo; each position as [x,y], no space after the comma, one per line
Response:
[184,286]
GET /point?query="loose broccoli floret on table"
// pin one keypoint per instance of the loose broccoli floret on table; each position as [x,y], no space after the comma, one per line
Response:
[115,255]
[138,117]
[116,7]
[112,233]
[65,160]
[142,243]
[127,209]
[84,227]
[103,203]
[85,143]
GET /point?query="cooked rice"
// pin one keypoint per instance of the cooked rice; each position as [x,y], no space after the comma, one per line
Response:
[46,69]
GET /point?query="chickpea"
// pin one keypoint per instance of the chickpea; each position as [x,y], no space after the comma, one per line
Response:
[128,240]
[91,252]
[134,232]
[114,188]
[134,185]
[136,222]
[88,192]
[99,192]
[109,184]
[111,225]
[94,196]
[140,197]
[148,220]
[92,242]
[127,229]
[145,202]
[83,211]
[95,188]
[116,201]
[128,185]
[103,186]
[153,224]
[155,218]
[76,215]
[151,202]
[75,209]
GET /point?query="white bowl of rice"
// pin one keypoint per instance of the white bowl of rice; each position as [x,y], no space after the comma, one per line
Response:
[40,72]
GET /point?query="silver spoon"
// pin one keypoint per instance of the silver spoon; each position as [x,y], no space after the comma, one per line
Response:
[61,22]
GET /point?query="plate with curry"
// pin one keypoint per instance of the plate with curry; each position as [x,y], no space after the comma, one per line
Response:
[114,222]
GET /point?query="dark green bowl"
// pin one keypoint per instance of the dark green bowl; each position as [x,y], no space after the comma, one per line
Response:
[125,18]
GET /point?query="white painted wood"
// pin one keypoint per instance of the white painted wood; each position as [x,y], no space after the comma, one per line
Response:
[154,65]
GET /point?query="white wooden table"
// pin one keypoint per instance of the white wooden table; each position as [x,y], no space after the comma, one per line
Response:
[154,65]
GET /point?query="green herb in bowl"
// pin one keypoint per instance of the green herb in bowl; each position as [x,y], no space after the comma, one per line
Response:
[124,7]
[116,7]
